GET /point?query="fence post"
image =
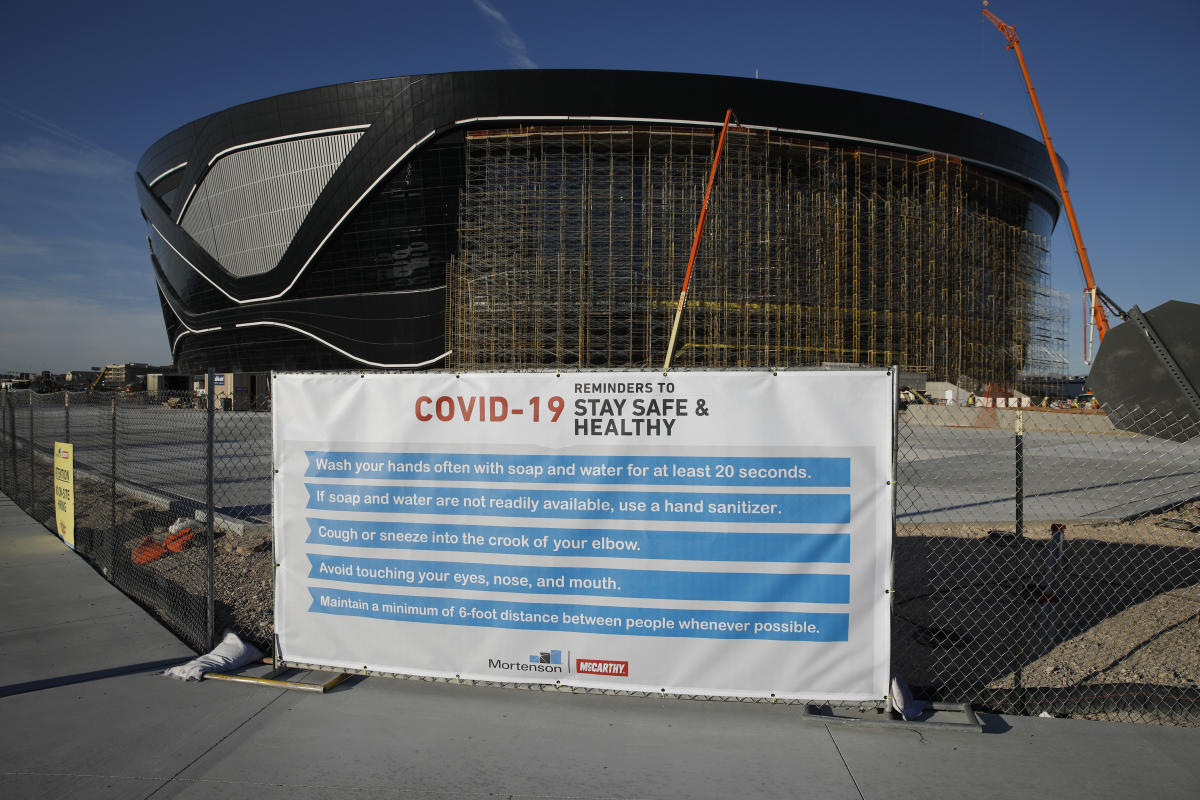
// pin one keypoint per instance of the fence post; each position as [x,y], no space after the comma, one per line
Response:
[12,432]
[32,497]
[211,509]
[67,416]
[1021,579]
[112,496]
[4,438]
[1054,567]
[8,435]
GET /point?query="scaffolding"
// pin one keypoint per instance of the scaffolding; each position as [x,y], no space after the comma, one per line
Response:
[573,243]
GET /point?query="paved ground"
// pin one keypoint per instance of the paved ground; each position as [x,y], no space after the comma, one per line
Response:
[83,713]
[949,474]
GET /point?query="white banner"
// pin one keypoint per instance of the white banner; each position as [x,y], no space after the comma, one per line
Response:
[703,532]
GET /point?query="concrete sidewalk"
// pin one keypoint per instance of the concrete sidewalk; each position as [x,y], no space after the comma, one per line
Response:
[83,713]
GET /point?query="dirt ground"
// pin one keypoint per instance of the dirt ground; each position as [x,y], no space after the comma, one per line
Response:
[174,587]
[1107,616]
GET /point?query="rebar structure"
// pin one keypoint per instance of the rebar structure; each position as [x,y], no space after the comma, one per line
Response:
[573,244]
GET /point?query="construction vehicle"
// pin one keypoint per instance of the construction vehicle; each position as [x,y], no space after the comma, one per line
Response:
[99,379]
[1146,370]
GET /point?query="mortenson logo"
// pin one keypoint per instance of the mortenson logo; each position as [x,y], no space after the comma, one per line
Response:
[596,666]
[547,661]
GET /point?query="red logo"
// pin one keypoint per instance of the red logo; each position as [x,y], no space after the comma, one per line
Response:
[596,666]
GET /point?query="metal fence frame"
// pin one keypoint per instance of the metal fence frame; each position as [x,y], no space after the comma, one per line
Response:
[1032,547]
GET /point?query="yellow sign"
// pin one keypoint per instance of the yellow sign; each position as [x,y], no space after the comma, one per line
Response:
[64,491]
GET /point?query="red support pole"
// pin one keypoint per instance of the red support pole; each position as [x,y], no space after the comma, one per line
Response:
[687,276]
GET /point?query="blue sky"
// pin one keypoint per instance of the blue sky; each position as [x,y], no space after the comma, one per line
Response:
[88,87]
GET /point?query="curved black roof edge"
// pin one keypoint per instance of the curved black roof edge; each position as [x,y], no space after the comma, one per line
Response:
[445,98]
[402,116]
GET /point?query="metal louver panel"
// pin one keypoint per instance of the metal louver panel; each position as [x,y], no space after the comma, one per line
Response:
[252,202]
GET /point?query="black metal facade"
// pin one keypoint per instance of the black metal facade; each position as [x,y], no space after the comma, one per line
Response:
[361,281]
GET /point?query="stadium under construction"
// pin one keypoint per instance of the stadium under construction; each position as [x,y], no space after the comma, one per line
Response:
[543,219]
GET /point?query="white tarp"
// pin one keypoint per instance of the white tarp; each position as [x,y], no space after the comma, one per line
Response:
[705,532]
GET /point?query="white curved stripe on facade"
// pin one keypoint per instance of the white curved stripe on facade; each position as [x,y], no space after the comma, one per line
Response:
[314,337]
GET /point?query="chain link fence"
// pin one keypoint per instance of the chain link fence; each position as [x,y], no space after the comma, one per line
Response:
[150,471]
[1045,561]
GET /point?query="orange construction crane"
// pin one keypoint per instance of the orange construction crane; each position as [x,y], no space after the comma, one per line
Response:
[1094,295]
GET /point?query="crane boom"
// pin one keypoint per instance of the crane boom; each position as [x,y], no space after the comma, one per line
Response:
[98,379]
[1099,317]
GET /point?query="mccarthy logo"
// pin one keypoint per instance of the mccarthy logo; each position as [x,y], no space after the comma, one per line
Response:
[546,661]
[596,666]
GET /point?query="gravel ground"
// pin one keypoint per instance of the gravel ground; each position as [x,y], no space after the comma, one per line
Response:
[175,587]
[244,588]
[1116,606]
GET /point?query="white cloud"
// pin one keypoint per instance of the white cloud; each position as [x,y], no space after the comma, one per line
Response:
[509,39]
[94,267]
[43,155]
[44,330]
[58,132]
[17,245]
